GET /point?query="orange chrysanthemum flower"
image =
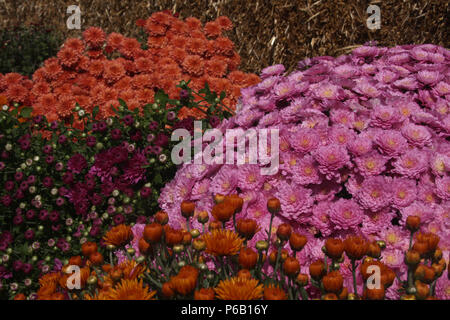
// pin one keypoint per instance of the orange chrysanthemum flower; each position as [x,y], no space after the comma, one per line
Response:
[239,289]
[185,281]
[130,290]
[95,37]
[118,235]
[223,242]
[273,292]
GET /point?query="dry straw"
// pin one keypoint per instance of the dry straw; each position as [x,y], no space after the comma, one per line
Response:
[266,32]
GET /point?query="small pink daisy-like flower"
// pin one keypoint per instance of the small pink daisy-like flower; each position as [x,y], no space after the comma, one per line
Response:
[441,88]
[342,117]
[428,77]
[249,177]
[331,158]
[320,218]
[426,193]
[417,208]
[360,145]
[200,189]
[408,83]
[306,172]
[354,184]
[326,190]
[386,76]
[394,259]
[395,237]
[285,89]
[418,136]
[439,164]
[274,70]
[225,181]
[371,164]
[374,222]
[404,192]
[412,163]
[345,214]
[375,193]
[443,188]
[304,140]
[341,135]
[385,116]
[327,91]
[367,89]
[295,200]
[391,142]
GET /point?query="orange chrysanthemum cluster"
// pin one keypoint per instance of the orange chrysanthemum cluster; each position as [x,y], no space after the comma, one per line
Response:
[99,68]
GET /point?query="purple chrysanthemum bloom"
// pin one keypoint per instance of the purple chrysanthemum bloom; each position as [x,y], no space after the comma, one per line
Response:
[285,89]
[404,192]
[295,200]
[443,188]
[439,164]
[320,218]
[385,116]
[391,143]
[249,177]
[375,193]
[225,181]
[274,70]
[396,237]
[77,163]
[306,171]
[360,145]
[429,77]
[371,164]
[345,214]
[341,135]
[418,136]
[412,163]
[304,140]
[417,208]
[327,91]
[331,158]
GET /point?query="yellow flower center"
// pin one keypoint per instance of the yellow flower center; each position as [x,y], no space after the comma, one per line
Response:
[328,93]
[392,238]
[251,178]
[375,194]
[401,194]
[225,185]
[308,171]
[370,164]
[292,198]
[347,214]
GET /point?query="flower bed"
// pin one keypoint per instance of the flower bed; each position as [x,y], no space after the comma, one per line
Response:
[363,145]
[100,69]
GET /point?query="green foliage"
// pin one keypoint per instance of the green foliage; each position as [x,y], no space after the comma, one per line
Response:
[24,48]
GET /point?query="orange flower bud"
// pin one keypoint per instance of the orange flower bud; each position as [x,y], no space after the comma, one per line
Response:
[88,248]
[235,201]
[203,217]
[96,258]
[355,247]
[334,248]
[273,205]
[247,228]
[330,296]
[214,225]
[223,211]
[343,294]
[244,273]
[291,266]
[333,282]
[297,241]
[413,223]
[423,290]
[144,246]
[374,250]
[272,292]
[302,279]
[247,258]
[161,217]
[412,257]
[75,261]
[173,236]
[187,238]
[374,294]
[218,198]
[187,209]
[153,232]
[317,269]
[204,294]
[167,290]
[284,231]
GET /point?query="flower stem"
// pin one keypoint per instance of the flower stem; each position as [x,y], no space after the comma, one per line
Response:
[355,291]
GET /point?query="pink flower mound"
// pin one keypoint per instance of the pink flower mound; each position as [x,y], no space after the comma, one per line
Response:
[362,146]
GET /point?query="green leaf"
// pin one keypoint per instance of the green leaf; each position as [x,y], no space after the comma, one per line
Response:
[26,112]
[95,111]
[123,103]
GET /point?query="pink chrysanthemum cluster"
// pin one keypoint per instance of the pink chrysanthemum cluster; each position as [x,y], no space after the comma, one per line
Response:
[99,69]
[363,145]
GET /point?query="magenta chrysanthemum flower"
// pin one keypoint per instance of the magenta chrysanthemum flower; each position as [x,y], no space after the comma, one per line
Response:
[443,188]
[306,172]
[274,70]
[327,91]
[304,140]
[320,218]
[341,135]
[439,164]
[391,142]
[346,214]
[295,200]
[418,136]
[417,208]
[249,177]
[394,259]
[375,193]
[371,164]
[404,192]
[412,163]
[360,145]
[331,158]
[385,116]
[395,237]
[428,77]
[224,182]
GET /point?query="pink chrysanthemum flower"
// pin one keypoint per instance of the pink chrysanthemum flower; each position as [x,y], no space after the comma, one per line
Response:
[200,189]
[391,143]
[320,218]
[342,117]
[360,145]
[345,214]
[404,192]
[295,200]
[426,193]
[304,140]
[249,177]
[395,237]
[386,76]
[428,77]
[443,188]
[341,135]
[394,259]
[371,164]
[385,116]
[418,136]
[417,208]
[375,193]
[225,181]
[285,89]
[327,91]
[306,172]
[274,70]
[412,163]
[439,164]
[331,158]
